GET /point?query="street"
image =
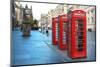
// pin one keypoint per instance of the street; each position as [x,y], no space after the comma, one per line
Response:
[38,49]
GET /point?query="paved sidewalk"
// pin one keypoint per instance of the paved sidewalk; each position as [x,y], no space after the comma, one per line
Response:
[91,53]
[33,50]
[38,49]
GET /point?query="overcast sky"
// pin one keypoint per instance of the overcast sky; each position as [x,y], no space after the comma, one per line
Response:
[39,8]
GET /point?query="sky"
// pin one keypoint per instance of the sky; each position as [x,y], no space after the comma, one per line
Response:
[39,8]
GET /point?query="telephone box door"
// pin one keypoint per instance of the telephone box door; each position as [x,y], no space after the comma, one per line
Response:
[63,32]
[78,34]
[55,31]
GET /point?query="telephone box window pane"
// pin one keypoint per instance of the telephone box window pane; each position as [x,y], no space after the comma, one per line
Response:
[80,37]
[64,32]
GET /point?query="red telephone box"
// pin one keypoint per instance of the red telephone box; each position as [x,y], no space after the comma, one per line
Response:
[63,32]
[77,34]
[55,30]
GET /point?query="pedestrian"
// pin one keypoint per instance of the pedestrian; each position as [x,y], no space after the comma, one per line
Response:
[21,27]
[39,29]
[43,30]
[47,32]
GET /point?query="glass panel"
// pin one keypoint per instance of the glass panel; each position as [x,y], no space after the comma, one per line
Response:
[64,32]
[79,27]
[56,31]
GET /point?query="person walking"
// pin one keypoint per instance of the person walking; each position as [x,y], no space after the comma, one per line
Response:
[47,32]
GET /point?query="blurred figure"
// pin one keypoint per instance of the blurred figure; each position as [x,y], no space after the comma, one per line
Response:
[39,29]
[43,30]
[21,28]
[47,32]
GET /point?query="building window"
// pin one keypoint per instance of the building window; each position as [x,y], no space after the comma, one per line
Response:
[88,20]
[93,21]
[92,11]
[88,12]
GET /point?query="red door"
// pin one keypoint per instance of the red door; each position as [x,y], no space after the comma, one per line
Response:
[55,30]
[77,46]
[63,32]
